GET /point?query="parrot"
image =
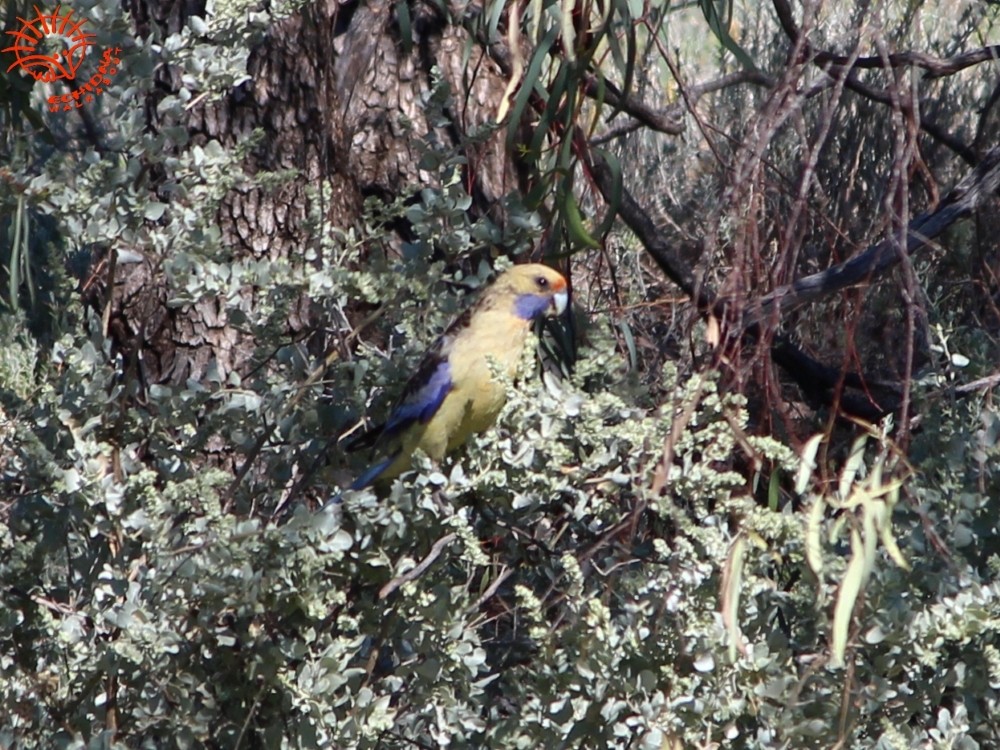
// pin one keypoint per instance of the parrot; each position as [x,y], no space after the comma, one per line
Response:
[453,394]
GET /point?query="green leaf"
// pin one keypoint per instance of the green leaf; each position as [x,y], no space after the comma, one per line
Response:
[155,211]
[852,466]
[493,14]
[528,83]
[405,24]
[626,330]
[732,582]
[885,531]
[617,192]
[774,490]
[575,226]
[719,14]
[813,539]
[847,597]
[567,31]
[625,63]
[807,463]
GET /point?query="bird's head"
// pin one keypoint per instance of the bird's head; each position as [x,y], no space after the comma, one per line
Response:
[537,290]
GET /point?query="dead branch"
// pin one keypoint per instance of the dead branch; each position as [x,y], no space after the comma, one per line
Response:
[981,182]
[934,67]
[839,65]
[990,381]
[818,380]
[417,570]
[671,119]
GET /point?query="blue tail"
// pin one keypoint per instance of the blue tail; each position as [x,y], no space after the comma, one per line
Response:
[372,473]
[365,480]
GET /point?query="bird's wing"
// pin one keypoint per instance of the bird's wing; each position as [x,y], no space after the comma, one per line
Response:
[423,393]
[422,396]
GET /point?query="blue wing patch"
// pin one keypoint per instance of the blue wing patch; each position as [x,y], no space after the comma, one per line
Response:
[423,396]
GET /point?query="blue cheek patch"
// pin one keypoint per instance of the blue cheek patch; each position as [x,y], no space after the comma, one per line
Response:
[423,403]
[530,306]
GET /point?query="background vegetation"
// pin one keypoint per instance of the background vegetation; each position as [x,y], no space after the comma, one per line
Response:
[713,514]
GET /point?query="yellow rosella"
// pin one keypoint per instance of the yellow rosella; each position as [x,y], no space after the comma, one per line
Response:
[454,393]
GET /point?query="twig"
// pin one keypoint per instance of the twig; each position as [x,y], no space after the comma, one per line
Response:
[675,112]
[981,182]
[981,384]
[936,68]
[417,570]
[507,573]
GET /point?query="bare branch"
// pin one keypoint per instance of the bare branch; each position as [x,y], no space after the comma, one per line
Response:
[817,379]
[665,121]
[417,570]
[840,65]
[935,67]
[673,116]
[982,182]
[989,381]
[639,222]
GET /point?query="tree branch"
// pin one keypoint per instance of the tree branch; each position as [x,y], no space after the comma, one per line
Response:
[652,239]
[981,182]
[672,117]
[935,67]
[417,570]
[816,379]
[834,64]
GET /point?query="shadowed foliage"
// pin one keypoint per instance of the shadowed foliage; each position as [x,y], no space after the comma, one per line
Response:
[744,496]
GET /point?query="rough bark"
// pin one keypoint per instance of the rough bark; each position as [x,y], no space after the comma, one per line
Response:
[337,94]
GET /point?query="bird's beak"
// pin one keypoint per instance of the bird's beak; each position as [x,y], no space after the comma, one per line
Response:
[559,300]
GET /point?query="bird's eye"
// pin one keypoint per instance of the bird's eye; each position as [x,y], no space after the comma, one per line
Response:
[542,282]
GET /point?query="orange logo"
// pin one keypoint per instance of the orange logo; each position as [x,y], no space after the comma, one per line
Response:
[50,29]
[50,47]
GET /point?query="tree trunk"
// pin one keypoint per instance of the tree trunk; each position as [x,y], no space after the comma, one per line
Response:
[337,95]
